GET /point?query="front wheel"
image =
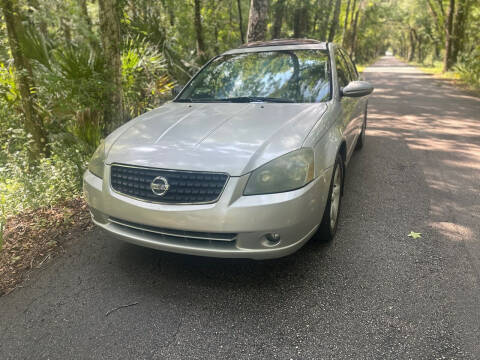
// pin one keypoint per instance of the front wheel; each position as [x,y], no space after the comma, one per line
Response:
[329,224]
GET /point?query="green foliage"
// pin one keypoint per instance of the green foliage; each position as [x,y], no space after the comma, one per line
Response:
[2,220]
[63,44]
[419,35]
[146,82]
[74,90]
[24,186]
[9,112]
[469,68]
[8,88]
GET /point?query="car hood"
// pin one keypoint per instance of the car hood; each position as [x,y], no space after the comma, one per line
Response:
[218,137]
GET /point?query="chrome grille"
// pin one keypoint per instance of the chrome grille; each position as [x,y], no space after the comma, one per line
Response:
[186,187]
[177,235]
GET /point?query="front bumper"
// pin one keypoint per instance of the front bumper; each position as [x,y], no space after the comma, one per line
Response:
[294,215]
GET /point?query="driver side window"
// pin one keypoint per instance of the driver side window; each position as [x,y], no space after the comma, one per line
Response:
[351,67]
[342,70]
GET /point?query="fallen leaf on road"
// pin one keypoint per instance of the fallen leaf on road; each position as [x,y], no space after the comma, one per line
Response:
[415,235]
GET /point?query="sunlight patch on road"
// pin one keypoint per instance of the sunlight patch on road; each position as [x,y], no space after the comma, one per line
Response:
[392,69]
[454,232]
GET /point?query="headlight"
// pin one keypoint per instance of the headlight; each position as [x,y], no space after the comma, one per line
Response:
[97,162]
[288,172]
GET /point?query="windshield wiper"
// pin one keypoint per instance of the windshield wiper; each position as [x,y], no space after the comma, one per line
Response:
[239,99]
[199,100]
[248,99]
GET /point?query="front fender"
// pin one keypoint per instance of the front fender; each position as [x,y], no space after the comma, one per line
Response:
[326,138]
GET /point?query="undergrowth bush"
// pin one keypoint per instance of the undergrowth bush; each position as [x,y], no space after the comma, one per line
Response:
[70,89]
[469,68]
[24,186]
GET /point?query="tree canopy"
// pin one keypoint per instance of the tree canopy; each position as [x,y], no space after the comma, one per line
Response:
[71,71]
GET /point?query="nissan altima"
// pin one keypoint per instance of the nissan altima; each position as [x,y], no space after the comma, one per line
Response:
[247,161]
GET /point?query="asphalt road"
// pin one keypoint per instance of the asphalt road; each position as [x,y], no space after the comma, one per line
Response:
[373,293]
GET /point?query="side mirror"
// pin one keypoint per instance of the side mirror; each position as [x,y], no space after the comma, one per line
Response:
[357,89]
[176,90]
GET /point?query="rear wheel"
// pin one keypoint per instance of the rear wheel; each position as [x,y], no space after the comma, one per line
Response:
[328,226]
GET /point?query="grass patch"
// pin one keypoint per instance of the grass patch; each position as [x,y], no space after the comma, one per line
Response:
[363,66]
[436,69]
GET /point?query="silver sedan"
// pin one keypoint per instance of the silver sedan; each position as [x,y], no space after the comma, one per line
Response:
[248,160]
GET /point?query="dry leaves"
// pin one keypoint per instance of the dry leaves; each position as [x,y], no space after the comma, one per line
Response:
[33,238]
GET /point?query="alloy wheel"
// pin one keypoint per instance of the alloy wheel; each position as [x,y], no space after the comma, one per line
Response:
[335,197]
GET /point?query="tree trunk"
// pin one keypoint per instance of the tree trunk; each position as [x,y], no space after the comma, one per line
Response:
[301,19]
[353,12]
[344,33]
[171,13]
[279,11]
[459,27]
[326,17]
[84,10]
[257,20]
[92,39]
[199,32]
[447,59]
[114,115]
[354,32]
[438,20]
[240,21]
[413,44]
[419,49]
[334,24]
[24,77]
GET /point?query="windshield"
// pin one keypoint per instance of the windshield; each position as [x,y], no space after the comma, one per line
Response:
[300,76]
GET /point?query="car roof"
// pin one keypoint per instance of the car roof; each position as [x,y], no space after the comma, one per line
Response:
[279,44]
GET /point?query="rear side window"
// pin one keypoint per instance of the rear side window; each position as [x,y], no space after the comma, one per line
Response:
[351,67]
[343,73]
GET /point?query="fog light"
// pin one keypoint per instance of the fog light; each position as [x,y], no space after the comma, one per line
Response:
[273,237]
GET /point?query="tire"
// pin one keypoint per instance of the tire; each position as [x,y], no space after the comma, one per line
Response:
[328,226]
[361,137]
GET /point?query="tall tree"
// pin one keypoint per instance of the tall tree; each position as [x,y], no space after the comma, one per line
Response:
[199,32]
[344,33]
[84,11]
[301,19]
[334,24]
[353,45]
[257,20]
[459,27]
[240,21]
[92,39]
[324,18]
[436,17]
[447,59]
[413,44]
[24,78]
[278,14]
[114,115]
